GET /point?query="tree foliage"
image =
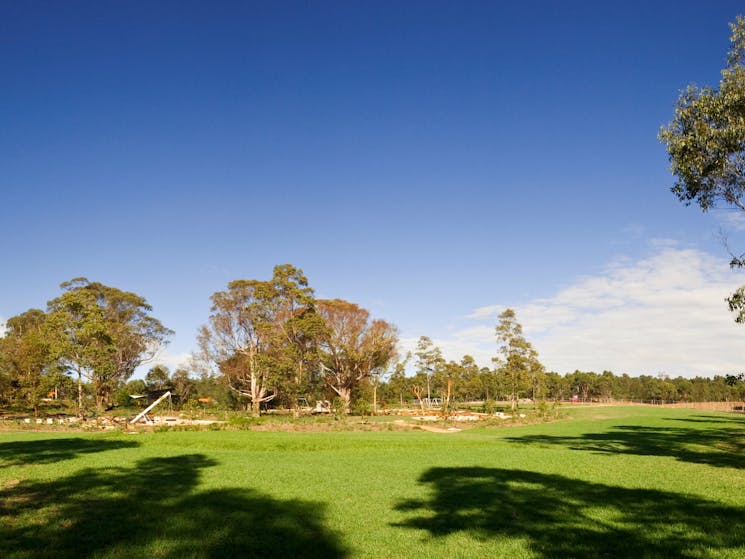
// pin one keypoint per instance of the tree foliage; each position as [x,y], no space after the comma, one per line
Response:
[158,378]
[299,331]
[353,346]
[272,340]
[261,335]
[238,340]
[25,358]
[706,138]
[706,145]
[103,334]
[428,362]
[518,366]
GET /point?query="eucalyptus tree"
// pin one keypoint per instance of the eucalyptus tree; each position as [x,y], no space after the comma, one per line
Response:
[386,381]
[102,334]
[261,336]
[428,362]
[352,346]
[518,364]
[468,383]
[398,385]
[299,329]
[158,378]
[183,385]
[25,358]
[706,145]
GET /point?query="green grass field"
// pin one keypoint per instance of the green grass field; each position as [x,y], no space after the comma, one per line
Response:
[607,482]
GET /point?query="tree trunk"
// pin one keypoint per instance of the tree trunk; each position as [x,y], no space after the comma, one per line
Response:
[100,403]
[80,393]
[345,393]
[375,399]
[255,407]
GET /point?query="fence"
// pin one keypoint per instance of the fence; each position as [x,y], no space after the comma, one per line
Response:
[711,406]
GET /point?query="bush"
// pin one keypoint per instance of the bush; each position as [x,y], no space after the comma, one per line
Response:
[362,408]
[338,408]
[244,421]
[489,407]
[544,411]
[192,409]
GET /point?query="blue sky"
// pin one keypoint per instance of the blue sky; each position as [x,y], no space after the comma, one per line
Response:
[434,162]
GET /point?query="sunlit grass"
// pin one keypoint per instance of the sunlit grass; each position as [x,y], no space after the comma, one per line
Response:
[617,482]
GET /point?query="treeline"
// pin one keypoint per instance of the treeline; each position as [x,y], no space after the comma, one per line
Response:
[265,342]
[273,344]
[469,382]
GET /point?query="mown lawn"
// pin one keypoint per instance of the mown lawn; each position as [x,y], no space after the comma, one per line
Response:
[609,482]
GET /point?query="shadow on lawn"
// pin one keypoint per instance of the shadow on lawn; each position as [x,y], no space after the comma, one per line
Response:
[563,517]
[152,509]
[715,446]
[732,420]
[48,451]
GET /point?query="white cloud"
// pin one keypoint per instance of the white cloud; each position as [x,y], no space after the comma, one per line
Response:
[3,327]
[663,313]
[171,360]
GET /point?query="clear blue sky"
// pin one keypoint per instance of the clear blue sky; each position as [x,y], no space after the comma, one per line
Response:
[423,159]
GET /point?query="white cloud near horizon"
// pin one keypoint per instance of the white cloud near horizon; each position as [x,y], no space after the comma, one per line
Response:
[665,313]
[164,357]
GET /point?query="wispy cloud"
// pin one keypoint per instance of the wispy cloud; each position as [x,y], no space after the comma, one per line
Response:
[734,220]
[663,313]
[480,345]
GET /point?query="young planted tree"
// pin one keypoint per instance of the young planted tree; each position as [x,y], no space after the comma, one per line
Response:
[353,346]
[518,363]
[429,363]
[102,334]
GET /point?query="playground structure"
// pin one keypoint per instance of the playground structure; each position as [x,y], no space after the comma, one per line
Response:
[143,413]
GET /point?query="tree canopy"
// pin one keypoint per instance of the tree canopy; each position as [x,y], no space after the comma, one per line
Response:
[25,357]
[272,339]
[353,346]
[518,366]
[706,145]
[103,334]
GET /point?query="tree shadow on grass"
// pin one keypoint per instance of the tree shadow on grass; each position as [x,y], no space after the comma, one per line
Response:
[732,419]
[715,446]
[562,517]
[153,510]
[48,451]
